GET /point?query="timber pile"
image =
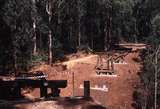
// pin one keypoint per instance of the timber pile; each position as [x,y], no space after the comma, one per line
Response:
[105,62]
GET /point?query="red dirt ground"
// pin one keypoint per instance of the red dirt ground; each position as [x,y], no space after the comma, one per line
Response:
[120,88]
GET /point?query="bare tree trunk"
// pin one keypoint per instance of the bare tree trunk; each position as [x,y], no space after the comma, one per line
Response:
[15,51]
[40,41]
[107,35]
[155,96]
[50,45]
[79,32]
[92,43]
[34,39]
[15,61]
[49,11]
[79,27]
[50,48]
[110,26]
[79,22]
[110,32]
[108,29]
[156,77]
[105,40]
[34,29]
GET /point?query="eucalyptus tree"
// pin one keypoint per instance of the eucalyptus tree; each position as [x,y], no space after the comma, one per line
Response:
[34,16]
[53,9]
[49,12]
[143,15]
[24,19]
[17,15]
[106,21]
[80,14]
[108,5]
[148,27]
[124,23]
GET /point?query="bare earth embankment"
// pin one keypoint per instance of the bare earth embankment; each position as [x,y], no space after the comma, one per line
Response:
[120,88]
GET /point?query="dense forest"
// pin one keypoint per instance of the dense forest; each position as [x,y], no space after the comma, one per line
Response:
[48,29]
[45,30]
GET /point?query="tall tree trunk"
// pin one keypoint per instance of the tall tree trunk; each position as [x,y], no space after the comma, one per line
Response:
[71,34]
[34,28]
[14,42]
[156,77]
[92,36]
[79,31]
[108,30]
[49,12]
[50,48]
[107,35]
[34,39]
[15,66]
[79,25]
[78,22]
[40,40]
[15,60]
[106,40]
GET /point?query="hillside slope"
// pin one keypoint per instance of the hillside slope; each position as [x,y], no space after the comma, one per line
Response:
[120,87]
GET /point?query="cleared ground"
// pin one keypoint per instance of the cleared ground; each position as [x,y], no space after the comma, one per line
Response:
[120,87]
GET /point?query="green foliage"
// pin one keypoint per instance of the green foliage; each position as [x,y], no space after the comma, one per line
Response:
[131,21]
[39,58]
[156,25]
[17,16]
[123,20]
[126,20]
[154,39]
[147,76]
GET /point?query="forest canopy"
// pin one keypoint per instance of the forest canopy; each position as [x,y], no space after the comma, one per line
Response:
[41,30]
[33,31]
